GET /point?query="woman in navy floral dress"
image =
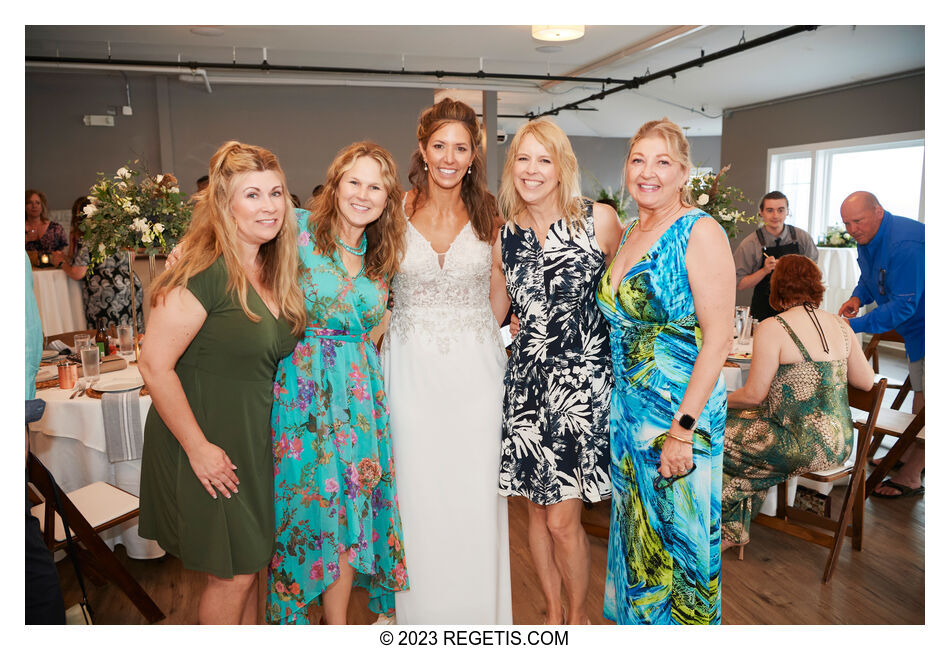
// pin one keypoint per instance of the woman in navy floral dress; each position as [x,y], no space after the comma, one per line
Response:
[558,380]
[337,518]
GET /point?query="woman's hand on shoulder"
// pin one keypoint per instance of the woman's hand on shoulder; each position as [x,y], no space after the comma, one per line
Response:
[174,257]
[607,230]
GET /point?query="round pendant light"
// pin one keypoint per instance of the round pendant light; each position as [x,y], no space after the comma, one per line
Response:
[557,32]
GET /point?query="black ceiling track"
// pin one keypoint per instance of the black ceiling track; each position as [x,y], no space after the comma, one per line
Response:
[620,85]
[636,82]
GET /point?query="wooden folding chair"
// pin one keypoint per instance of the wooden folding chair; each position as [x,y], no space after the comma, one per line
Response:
[91,510]
[907,428]
[870,353]
[811,526]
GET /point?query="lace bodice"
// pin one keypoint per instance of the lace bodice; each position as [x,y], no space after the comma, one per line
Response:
[448,304]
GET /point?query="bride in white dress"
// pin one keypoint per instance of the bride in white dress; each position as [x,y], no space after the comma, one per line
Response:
[443,364]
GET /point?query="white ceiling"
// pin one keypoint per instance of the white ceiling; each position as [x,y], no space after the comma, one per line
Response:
[828,57]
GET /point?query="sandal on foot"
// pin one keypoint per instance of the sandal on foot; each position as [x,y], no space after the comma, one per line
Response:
[903,490]
[877,461]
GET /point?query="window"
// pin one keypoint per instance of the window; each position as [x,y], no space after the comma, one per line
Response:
[817,177]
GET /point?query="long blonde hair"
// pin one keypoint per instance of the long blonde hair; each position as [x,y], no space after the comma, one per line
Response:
[213,234]
[569,199]
[385,241]
[676,144]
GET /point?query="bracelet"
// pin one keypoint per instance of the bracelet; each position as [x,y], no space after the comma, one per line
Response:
[683,440]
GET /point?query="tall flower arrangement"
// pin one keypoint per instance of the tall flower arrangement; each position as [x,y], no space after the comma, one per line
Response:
[717,199]
[134,210]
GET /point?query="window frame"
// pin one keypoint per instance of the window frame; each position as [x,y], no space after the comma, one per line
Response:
[821,154]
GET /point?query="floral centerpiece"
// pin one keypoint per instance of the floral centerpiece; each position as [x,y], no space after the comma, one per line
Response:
[134,210]
[717,200]
[837,237]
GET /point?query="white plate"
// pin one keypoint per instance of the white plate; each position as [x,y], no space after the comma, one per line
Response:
[49,354]
[117,385]
[739,356]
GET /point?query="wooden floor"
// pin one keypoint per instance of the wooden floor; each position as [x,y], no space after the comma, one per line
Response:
[778,582]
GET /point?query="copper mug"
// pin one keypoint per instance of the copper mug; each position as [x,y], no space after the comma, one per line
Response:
[68,374]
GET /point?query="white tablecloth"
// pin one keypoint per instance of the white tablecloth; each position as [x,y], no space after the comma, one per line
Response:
[70,441]
[840,272]
[59,299]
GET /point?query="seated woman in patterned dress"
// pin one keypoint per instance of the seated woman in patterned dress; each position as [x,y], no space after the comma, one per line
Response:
[804,360]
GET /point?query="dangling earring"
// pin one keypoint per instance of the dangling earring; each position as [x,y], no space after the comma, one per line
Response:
[469,170]
[425,164]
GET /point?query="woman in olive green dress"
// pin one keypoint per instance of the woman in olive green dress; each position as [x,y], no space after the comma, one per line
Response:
[792,414]
[220,321]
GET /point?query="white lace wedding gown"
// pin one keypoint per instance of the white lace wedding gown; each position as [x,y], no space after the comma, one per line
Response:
[443,364]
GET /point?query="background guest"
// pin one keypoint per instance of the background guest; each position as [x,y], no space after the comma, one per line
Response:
[338,522]
[669,296]
[557,385]
[220,321]
[803,362]
[42,235]
[107,294]
[891,259]
[756,255]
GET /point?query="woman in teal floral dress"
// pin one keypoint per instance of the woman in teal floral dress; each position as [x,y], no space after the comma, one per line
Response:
[668,297]
[337,520]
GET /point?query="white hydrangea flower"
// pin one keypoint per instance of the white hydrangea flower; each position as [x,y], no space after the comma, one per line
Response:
[140,224]
[123,172]
[173,190]
[90,210]
[726,216]
[158,228]
[703,199]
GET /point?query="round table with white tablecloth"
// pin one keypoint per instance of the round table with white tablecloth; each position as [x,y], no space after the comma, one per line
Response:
[70,440]
[840,273]
[59,299]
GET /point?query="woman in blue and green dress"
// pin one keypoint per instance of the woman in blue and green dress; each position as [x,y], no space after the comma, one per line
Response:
[668,297]
[337,520]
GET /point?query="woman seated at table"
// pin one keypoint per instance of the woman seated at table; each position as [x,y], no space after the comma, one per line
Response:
[221,320]
[804,358]
[42,235]
[107,293]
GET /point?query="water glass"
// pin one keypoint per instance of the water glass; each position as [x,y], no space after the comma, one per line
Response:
[90,363]
[125,340]
[79,342]
[745,336]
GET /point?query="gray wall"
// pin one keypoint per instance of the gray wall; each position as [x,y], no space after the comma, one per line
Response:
[747,135]
[303,125]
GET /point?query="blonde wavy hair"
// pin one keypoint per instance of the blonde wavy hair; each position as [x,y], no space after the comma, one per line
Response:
[213,234]
[385,237]
[569,198]
[676,145]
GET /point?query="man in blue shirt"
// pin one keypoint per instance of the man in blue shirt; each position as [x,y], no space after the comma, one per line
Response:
[891,259]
